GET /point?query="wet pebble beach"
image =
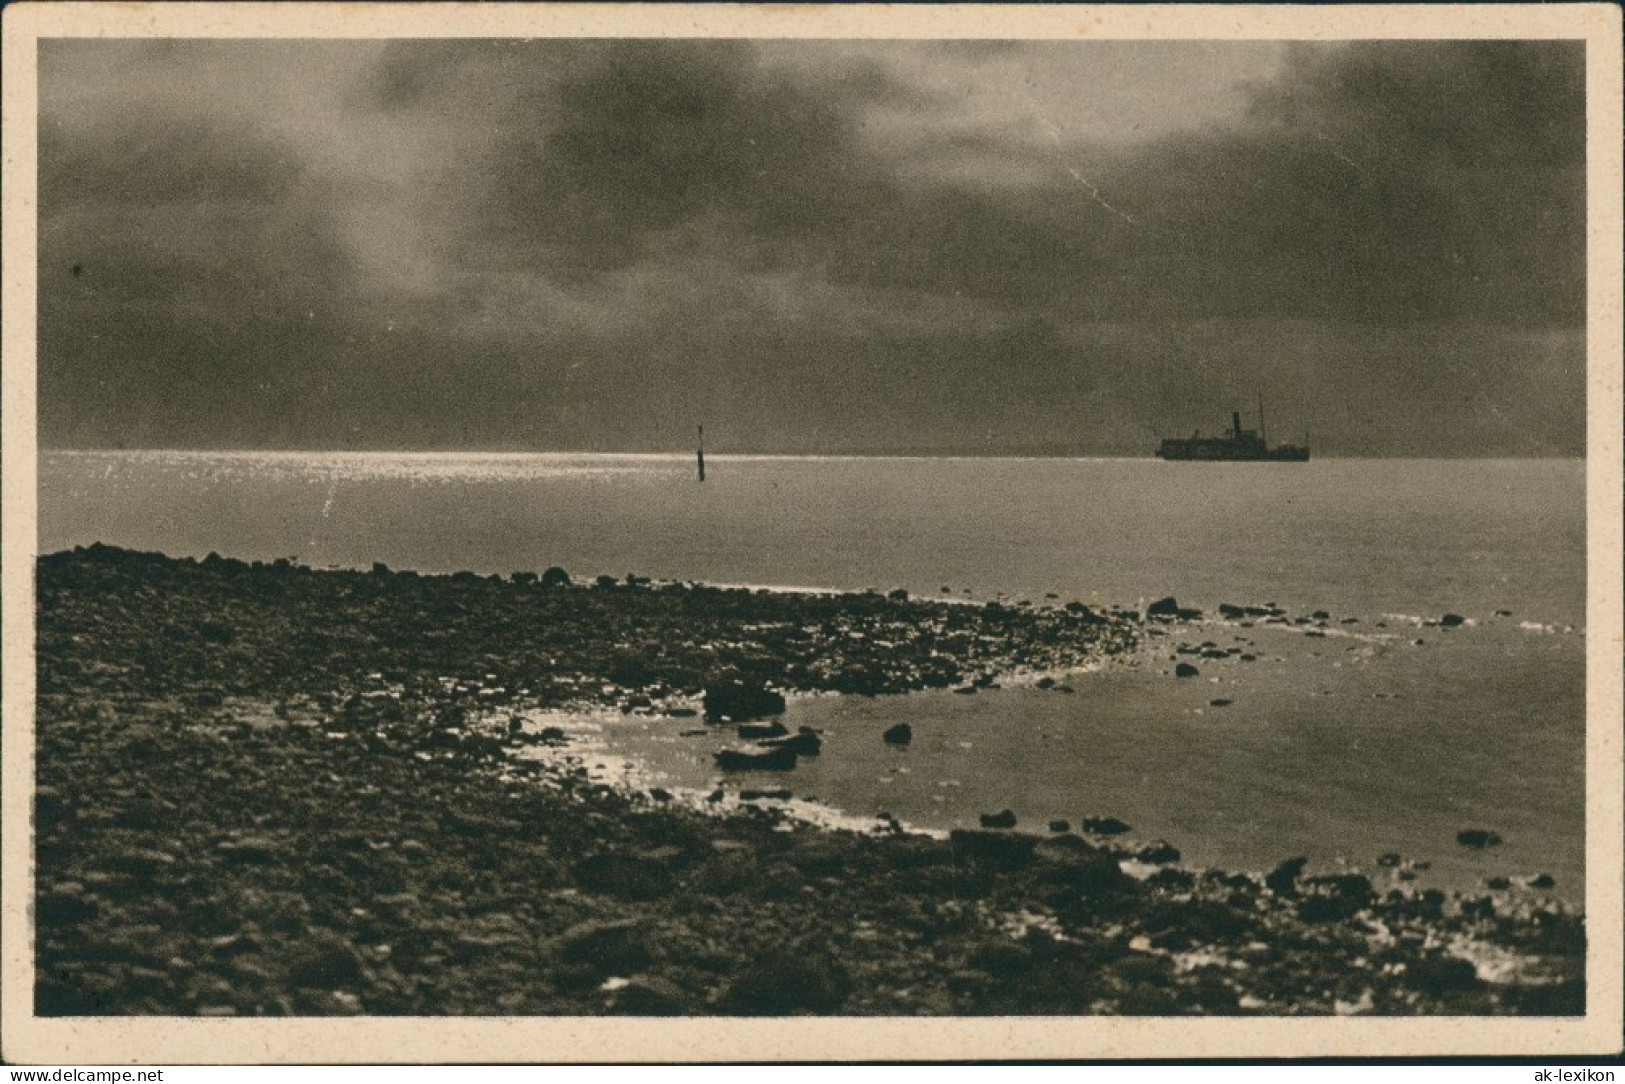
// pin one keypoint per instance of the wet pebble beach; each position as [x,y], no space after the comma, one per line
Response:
[263,789]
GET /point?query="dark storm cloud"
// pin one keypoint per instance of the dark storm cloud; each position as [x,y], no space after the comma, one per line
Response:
[1386,182]
[1389,182]
[816,246]
[646,138]
[159,160]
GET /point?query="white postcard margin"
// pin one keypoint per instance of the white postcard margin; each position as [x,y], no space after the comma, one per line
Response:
[26,1039]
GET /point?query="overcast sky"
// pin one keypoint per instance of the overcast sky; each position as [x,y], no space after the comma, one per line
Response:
[1045,247]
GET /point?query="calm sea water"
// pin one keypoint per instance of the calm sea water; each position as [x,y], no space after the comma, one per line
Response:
[1339,748]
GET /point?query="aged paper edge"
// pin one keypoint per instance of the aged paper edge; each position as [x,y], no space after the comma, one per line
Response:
[101,1040]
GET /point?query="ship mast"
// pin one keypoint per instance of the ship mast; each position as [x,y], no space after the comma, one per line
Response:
[1263,433]
[701,453]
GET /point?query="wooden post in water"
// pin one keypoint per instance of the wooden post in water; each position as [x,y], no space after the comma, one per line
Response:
[702,453]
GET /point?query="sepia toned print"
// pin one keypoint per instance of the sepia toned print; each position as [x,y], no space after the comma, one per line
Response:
[1074,531]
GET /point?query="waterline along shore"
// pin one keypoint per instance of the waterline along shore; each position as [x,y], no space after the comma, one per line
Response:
[263,789]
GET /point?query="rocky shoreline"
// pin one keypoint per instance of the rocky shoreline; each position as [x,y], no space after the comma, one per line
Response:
[268,790]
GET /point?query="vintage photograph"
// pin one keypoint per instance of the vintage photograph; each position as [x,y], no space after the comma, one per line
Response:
[761,526]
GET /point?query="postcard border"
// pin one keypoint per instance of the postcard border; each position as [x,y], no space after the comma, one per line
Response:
[28,1039]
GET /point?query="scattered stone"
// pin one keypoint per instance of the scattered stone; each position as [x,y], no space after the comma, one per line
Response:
[1186,670]
[1478,838]
[778,794]
[1439,975]
[805,742]
[1283,879]
[1158,853]
[371,860]
[1104,826]
[760,759]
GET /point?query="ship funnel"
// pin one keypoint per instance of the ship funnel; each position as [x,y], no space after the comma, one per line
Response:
[1235,422]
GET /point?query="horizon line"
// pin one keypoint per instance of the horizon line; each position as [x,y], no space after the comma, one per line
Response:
[736,456]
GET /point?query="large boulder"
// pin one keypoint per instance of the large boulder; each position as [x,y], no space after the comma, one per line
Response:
[736,700]
[901,734]
[1163,607]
